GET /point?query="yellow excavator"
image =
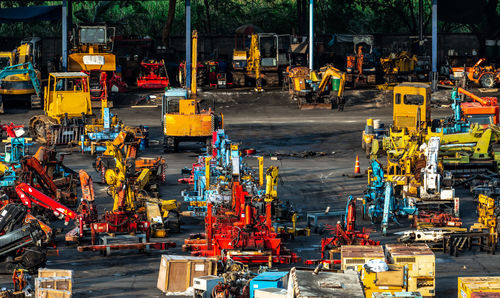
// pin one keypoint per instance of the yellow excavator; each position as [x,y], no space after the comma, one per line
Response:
[189,123]
[19,75]
[317,89]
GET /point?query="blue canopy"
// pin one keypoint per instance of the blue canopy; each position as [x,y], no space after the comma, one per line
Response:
[30,13]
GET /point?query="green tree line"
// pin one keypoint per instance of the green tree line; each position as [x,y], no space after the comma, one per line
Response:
[160,19]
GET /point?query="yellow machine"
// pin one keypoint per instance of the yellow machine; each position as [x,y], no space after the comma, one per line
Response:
[411,115]
[92,54]
[487,218]
[93,49]
[19,79]
[391,281]
[398,66]
[262,61]
[253,61]
[311,88]
[189,123]
[128,186]
[68,111]
[67,107]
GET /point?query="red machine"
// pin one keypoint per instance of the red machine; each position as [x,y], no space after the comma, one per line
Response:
[97,83]
[437,219]
[153,75]
[13,131]
[30,196]
[113,222]
[33,173]
[481,109]
[344,234]
[240,233]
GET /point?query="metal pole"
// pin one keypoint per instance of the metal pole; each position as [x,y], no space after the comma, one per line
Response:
[188,44]
[434,45]
[65,35]
[311,34]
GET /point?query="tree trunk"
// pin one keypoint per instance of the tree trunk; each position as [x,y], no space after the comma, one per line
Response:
[207,12]
[168,24]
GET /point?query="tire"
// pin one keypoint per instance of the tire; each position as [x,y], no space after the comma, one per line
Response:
[487,80]
[170,144]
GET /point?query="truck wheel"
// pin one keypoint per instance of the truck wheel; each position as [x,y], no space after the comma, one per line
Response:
[169,144]
[487,81]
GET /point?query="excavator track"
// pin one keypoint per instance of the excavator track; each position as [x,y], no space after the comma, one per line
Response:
[40,129]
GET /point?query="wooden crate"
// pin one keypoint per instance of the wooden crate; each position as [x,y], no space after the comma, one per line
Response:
[56,283]
[421,263]
[177,272]
[51,293]
[355,256]
[45,272]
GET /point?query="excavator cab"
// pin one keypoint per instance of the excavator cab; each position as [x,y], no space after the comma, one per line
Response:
[412,106]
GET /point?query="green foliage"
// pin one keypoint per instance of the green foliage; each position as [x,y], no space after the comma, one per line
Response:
[222,17]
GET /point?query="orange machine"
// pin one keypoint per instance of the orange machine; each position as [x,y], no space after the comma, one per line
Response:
[482,110]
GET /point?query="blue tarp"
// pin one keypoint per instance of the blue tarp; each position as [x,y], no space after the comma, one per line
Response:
[30,13]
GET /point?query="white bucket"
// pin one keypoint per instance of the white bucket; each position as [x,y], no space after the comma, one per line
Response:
[376,123]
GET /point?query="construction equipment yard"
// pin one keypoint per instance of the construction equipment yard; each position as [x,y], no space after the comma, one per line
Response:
[249,149]
[315,153]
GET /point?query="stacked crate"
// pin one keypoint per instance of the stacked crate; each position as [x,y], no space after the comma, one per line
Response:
[421,263]
[355,256]
[52,283]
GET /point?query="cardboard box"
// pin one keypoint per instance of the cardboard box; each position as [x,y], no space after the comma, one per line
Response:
[176,273]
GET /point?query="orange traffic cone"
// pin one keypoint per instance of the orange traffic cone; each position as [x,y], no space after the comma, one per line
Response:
[357,170]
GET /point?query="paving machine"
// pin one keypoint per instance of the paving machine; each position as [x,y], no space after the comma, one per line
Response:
[19,75]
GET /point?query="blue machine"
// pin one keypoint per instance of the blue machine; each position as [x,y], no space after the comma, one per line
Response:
[267,280]
[226,163]
[94,141]
[15,149]
[456,125]
[384,204]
